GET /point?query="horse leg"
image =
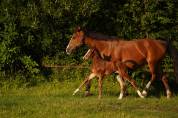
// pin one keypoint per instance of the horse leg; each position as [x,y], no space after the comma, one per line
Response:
[100,86]
[91,76]
[143,77]
[164,79]
[122,87]
[165,82]
[153,77]
[121,70]
[87,88]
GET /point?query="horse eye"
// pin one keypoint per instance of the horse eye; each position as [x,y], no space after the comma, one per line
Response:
[74,36]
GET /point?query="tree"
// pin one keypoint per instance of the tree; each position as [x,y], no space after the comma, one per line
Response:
[34,30]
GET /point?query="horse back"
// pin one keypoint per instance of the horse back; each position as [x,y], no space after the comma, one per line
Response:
[101,66]
[155,49]
[139,51]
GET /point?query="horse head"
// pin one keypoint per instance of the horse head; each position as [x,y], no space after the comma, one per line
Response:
[76,40]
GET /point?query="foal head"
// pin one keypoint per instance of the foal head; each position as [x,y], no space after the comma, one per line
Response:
[76,40]
[89,54]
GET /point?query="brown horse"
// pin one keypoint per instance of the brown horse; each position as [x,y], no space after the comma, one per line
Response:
[100,68]
[127,54]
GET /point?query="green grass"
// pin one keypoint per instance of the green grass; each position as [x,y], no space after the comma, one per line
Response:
[55,100]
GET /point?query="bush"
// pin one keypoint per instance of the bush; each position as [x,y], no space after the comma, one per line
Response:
[32,31]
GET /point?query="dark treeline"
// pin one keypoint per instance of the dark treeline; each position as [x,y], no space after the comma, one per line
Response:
[34,32]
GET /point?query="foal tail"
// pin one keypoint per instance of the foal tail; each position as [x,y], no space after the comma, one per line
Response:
[174,54]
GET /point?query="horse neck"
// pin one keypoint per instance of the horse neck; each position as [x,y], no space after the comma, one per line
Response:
[96,44]
[90,42]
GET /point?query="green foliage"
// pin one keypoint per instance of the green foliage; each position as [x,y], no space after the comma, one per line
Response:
[30,65]
[36,32]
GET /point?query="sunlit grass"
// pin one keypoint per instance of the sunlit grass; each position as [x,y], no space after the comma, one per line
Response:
[55,100]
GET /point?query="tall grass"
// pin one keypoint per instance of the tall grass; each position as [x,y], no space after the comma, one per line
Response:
[55,100]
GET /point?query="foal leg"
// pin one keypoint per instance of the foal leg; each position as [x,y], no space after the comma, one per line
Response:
[165,82]
[100,87]
[122,72]
[122,87]
[91,76]
[87,88]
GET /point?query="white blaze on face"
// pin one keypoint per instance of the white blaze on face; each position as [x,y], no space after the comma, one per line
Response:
[67,49]
[68,46]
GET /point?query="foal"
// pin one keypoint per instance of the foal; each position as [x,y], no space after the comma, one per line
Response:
[100,68]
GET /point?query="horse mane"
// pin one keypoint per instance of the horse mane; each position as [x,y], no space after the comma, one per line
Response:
[99,36]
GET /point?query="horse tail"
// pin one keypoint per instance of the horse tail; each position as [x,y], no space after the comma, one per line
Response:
[173,52]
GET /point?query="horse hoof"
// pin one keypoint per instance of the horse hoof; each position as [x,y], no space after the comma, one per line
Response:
[126,94]
[88,94]
[144,93]
[142,96]
[120,98]
[169,94]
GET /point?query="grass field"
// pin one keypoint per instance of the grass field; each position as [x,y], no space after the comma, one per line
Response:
[55,100]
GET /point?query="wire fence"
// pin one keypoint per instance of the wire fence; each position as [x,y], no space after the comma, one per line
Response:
[166,66]
[65,66]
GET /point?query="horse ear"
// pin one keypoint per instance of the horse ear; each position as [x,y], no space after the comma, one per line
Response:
[78,29]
